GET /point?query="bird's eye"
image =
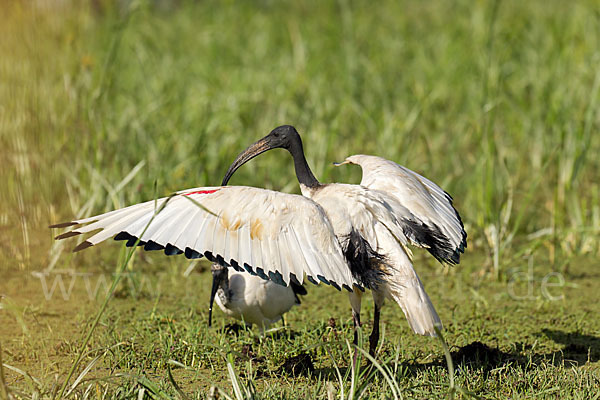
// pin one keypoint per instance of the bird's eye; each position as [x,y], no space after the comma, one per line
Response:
[276,134]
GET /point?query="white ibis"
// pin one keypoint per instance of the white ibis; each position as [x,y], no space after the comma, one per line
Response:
[350,236]
[251,299]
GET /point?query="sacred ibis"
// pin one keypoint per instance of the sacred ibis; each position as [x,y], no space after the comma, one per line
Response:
[350,236]
[251,299]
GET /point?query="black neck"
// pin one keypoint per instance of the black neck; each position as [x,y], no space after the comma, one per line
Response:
[303,172]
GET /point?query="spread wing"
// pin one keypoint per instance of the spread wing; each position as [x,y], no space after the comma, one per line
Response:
[425,211]
[275,235]
[372,221]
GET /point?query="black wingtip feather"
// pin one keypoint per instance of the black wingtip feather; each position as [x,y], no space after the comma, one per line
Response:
[432,238]
[261,273]
[222,261]
[277,278]
[171,250]
[123,236]
[82,246]
[249,270]
[296,286]
[236,266]
[133,240]
[67,235]
[152,246]
[192,254]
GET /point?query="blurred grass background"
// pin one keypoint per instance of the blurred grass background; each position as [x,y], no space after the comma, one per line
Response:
[497,101]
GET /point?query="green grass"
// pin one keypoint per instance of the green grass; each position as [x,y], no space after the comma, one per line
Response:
[496,101]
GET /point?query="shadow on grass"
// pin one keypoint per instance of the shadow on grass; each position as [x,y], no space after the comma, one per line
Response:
[578,347]
[578,350]
[275,334]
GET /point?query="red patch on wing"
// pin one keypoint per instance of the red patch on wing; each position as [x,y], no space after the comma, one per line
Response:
[201,192]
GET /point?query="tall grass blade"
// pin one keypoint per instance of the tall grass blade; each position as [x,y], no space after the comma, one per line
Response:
[24,374]
[392,384]
[240,390]
[4,392]
[452,387]
[107,298]
[83,374]
[175,385]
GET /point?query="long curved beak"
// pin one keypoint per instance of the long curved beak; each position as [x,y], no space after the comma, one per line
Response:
[252,151]
[338,164]
[215,285]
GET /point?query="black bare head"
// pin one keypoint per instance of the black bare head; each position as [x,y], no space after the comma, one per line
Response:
[284,137]
[220,280]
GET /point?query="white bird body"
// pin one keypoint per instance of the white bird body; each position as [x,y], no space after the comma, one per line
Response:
[354,207]
[351,236]
[254,300]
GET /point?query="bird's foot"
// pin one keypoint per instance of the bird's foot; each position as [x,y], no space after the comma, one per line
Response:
[373,345]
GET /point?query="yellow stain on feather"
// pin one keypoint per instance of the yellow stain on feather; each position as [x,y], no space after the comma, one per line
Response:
[236,225]
[224,221]
[256,228]
[229,225]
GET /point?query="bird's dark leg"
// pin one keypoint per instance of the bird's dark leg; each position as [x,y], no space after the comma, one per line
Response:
[378,299]
[374,338]
[355,300]
[356,318]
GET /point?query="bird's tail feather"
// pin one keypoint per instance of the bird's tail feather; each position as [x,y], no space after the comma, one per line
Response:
[402,284]
[416,305]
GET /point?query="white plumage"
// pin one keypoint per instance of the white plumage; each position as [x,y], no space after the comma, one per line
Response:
[351,236]
[224,223]
[425,201]
[253,300]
